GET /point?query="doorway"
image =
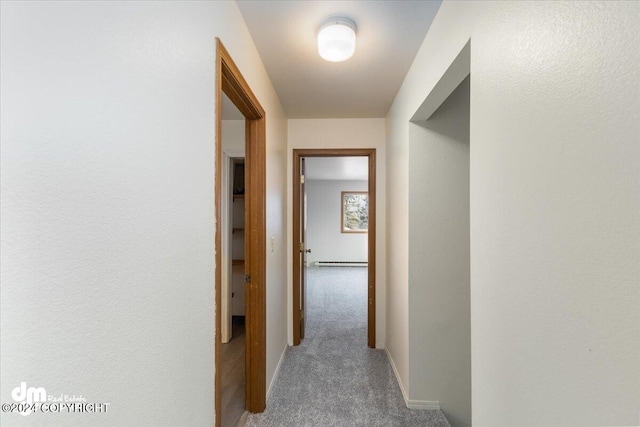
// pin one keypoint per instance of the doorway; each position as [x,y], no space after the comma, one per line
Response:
[229,81]
[300,250]
[232,309]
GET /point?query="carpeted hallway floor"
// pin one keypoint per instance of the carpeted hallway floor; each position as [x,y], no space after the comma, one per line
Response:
[333,378]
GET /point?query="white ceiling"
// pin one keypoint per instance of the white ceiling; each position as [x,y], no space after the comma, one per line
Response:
[389,34]
[337,168]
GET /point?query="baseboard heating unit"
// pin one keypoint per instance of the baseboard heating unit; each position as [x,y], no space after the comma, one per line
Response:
[341,263]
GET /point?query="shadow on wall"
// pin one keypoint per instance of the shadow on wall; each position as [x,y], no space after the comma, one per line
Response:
[439,252]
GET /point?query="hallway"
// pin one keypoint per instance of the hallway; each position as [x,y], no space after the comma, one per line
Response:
[333,378]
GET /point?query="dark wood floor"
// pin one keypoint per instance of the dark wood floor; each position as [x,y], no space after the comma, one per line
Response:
[233,371]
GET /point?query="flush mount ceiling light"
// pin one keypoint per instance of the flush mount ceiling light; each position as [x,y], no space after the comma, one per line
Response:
[337,39]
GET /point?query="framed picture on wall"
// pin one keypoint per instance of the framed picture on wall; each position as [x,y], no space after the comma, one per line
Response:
[355,212]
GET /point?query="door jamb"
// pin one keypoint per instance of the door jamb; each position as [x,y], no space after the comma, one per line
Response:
[371,298]
[230,80]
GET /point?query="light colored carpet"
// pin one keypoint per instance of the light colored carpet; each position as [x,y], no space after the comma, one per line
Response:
[333,378]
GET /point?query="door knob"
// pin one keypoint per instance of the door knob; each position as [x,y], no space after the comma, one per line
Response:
[308,251]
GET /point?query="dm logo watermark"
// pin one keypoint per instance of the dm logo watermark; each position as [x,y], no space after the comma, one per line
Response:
[28,396]
[35,399]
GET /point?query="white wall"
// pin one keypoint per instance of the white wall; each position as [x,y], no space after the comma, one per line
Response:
[397,256]
[233,139]
[324,233]
[277,236]
[107,242]
[439,317]
[343,133]
[554,206]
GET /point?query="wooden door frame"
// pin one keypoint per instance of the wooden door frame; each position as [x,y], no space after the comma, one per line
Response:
[230,81]
[371,298]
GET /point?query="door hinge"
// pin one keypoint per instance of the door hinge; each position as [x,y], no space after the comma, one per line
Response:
[301,179]
[247,279]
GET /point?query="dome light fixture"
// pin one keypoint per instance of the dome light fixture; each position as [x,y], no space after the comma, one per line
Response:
[337,39]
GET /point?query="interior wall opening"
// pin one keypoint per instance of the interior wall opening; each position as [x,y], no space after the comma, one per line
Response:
[337,211]
[231,83]
[439,257]
[334,241]
[337,214]
[233,334]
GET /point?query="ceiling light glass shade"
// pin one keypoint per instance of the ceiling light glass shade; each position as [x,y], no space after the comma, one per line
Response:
[337,39]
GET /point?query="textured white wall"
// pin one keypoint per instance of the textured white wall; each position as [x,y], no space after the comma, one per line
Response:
[397,257]
[277,236]
[555,212]
[324,236]
[344,133]
[107,239]
[439,317]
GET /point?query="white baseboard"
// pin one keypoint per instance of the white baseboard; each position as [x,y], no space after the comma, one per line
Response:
[411,404]
[395,371]
[275,373]
[423,404]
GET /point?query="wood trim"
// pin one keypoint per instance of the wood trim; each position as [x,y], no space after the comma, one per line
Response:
[372,251]
[236,87]
[218,236]
[230,81]
[256,254]
[338,152]
[295,248]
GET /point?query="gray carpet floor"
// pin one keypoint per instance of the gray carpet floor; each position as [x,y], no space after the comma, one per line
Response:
[333,378]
